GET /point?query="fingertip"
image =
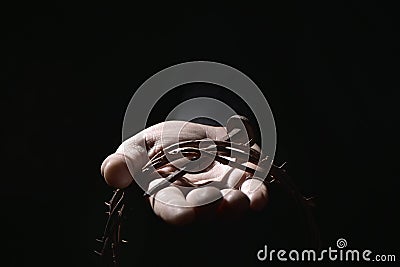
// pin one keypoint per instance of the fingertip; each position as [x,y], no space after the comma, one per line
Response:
[203,196]
[179,216]
[171,206]
[234,204]
[205,201]
[115,171]
[257,192]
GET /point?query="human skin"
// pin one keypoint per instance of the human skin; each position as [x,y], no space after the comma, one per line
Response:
[236,193]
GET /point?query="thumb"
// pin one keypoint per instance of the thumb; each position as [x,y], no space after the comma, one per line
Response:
[130,157]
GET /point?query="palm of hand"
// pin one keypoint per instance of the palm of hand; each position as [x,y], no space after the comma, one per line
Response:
[229,196]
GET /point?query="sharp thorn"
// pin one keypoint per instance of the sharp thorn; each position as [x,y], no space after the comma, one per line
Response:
[107,212]
[107,204]
[124,241]
[99,240]
[98,253]
[280,167]
[248,142]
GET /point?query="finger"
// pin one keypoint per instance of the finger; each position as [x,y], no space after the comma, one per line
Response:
[115,171]
[206,201]
[237,177]
[170,204]
[234,204]
[130,157]
[233,177]
[257,192]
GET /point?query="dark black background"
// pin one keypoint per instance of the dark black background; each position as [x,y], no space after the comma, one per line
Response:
[328,70]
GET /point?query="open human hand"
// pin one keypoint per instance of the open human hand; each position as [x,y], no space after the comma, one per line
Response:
[220,191]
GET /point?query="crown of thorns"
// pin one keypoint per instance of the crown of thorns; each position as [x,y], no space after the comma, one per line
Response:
[218,150]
